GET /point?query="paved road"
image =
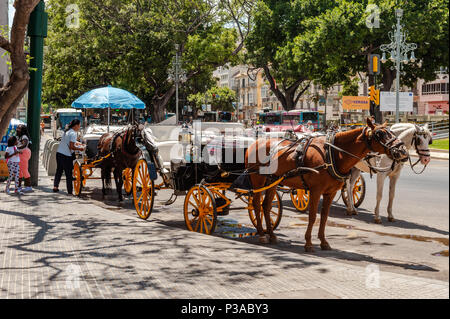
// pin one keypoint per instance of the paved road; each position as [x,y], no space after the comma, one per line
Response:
[416,244]
[54,246]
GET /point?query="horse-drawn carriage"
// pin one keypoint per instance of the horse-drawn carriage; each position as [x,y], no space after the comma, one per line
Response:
[204,169]
[204,166]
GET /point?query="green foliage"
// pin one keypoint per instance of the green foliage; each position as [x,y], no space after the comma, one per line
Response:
[220,98]
[130,44]
[328,41]
[349,87]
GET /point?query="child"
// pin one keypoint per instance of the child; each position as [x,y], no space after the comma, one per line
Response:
[13,160]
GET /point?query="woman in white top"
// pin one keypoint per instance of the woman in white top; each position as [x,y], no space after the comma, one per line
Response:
[13,160]
[66,155]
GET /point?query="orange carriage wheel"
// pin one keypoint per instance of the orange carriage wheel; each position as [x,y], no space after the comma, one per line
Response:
[358,192]
[127,177]
[275,213]
[200,214]
[143,190]
[300,199]
[77,179]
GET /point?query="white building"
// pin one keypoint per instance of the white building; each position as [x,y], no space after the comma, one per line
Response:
[3,26]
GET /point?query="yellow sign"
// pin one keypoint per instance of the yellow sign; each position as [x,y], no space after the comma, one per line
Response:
[355,103]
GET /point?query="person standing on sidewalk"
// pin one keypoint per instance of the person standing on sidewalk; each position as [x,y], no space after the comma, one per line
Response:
[12,160]
[25,154]
[66,155]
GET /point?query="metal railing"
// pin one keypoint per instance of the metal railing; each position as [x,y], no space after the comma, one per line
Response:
[440,129]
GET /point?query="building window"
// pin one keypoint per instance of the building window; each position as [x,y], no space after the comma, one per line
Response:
[243,83]
[435,88]
[263,92]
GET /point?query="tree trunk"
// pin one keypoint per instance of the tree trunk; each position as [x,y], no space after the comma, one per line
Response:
[388,79]
[288,98]
[159,105]
[15,89]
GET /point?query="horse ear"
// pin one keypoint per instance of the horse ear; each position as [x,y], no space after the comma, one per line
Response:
[370,123]
[426,126]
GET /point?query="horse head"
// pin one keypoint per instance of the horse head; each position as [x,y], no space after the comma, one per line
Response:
[131,134]
[381,140]
[421,141]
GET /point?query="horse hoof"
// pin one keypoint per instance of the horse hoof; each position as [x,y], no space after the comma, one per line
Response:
[263,239]
[325,246]
[391,219]
[377,220]
[309,248]
[273,239]
[349,213]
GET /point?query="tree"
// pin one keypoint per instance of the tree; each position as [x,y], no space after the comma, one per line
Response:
[131,44]
[14,90]
[342,32]
[220,98]
[270,45]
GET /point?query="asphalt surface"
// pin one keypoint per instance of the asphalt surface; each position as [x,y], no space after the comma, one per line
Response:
[415,244]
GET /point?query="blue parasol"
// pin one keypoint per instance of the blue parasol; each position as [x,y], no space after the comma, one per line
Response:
[108,98]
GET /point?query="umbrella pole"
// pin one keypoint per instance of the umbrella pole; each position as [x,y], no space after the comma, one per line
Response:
[109,116]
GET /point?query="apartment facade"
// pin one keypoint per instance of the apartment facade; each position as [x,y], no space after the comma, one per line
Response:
[432,97]
[3,26]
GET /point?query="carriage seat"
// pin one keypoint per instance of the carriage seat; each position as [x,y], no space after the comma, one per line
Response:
[165,139]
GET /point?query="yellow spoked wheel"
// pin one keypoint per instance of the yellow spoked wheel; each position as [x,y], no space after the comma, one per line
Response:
[275,213]
[200,214]
[127,177]
[300,199]
[358,192]
[77,179]
[143,190]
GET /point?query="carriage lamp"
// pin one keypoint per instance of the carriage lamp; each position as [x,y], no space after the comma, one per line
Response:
[185,136]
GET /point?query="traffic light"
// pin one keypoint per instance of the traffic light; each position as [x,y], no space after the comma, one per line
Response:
[374,95]
[374,64]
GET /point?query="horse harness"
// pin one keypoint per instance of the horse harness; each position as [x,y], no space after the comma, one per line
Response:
[330,160]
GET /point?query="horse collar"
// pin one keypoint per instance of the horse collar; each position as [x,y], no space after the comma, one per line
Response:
[331,161]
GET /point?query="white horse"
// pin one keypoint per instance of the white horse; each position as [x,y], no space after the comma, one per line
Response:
[412,136]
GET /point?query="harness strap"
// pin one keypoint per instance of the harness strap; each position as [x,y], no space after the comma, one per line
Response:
[330,159]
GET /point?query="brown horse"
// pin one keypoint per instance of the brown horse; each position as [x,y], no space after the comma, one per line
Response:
[124,154]
[269,159]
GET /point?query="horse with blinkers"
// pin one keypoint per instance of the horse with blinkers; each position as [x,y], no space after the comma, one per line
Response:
[323,168]
[124,153]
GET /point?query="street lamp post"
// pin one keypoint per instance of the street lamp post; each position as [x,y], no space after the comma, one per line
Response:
[177,75]
[398,49]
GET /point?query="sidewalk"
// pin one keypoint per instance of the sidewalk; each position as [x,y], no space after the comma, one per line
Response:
[55,246]
[435,154]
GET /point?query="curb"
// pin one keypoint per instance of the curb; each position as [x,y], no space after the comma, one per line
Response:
[436,150]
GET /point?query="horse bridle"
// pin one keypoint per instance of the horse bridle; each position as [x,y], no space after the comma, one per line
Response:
[420,152]
[377,135]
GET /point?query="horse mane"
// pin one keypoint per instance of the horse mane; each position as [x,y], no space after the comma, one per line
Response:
[348,136]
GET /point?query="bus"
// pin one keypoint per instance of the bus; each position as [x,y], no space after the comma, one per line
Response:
[289,120]
[47,119]
[300,117]
[62,118]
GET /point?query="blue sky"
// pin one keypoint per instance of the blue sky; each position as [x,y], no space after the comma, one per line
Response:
[10,13]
